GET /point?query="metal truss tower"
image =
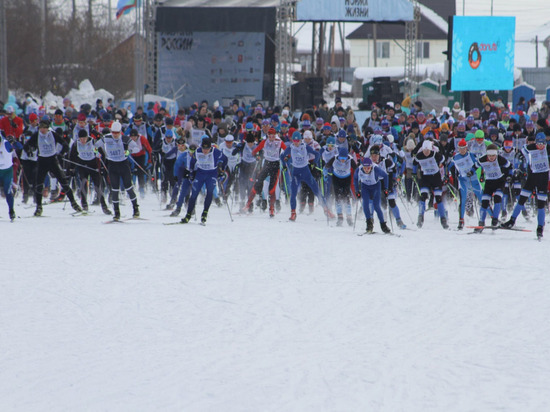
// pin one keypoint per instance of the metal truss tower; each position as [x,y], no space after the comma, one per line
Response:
[283,52]
[149,18]
[411,37]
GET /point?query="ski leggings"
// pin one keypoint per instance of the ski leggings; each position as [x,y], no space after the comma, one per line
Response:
[371,193]
[121,171]
[299,175]
[50,164]
[202,178]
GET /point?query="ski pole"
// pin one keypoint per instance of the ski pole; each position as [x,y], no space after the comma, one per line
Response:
[220,185]
[81,165]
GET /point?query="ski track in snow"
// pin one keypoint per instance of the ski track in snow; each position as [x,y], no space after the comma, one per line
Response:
[266,315]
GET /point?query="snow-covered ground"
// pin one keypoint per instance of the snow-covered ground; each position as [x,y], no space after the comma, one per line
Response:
[267,315]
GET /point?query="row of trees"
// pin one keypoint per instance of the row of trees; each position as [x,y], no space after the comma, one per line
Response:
[53,46]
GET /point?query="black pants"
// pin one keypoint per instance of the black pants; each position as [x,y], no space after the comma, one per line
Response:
[50,164]
[168,178]
[84,173]
[270,169]
[121,171]
[30,167]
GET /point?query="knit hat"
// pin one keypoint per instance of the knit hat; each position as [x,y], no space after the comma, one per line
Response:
[366,161]
[462,143]
[296,135]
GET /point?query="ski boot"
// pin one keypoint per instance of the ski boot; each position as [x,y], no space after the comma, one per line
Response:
[329,213]
[38,211]
[271,211]
[84,206]
[136,209]
[186,219]
[509,223]
[494,222]
[278,205]
[263,205]
[218,202]
[460,224]
[12,214]
[420,221]
[349,220]
[116,216]
[539,231]
[311,208]
[384,227]
[292,217]
[444,223]
[204,216]
[340,221]
[370,225]
[170,206]
[401,224]
[76,207]
[480,228]
[176,212]
[525,214]
[302,207]
[104,207]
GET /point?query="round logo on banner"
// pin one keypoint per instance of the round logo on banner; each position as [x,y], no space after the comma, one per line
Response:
[474,50]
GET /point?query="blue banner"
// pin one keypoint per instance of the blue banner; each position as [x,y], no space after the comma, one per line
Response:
[483,53]
[354,10]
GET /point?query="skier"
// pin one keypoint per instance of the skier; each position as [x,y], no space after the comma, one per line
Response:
[496,170]
[272,147]
[367,180]
[341,167]
[84,153]
[207,163]
[388,166]
[430,163]
[7,145]
[116,151]
[182,172]
[465,165]
[46,140]
[247,167]
[298,153]
[537,179]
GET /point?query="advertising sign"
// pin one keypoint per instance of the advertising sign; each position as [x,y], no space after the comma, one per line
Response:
[482,55]
[197,66]
[354,10]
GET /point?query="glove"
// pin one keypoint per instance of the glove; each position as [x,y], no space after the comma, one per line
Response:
[185,174]
[481,179]
[96,153]
[220,170]
[127,153]
[386,192]
[286,159]
[284,169]
[470,173]
[10,139]
[325,173]
[517,174]
[508,179]
[358,195]
[258,157]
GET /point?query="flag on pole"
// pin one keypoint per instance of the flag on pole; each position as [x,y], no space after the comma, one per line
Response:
[124,7]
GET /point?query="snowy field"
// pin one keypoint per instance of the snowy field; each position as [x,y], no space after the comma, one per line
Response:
[267,315]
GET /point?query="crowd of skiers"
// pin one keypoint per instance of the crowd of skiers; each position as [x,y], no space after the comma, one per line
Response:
[491,161]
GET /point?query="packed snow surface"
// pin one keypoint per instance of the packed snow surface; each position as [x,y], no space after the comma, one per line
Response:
[262,314]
